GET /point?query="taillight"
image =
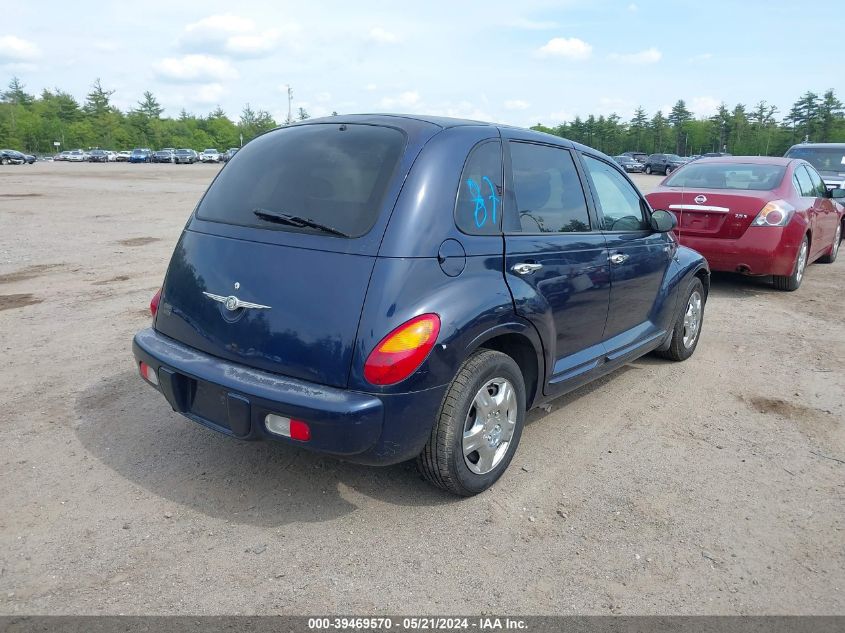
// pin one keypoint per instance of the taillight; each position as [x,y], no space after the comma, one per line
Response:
[401,352]
[154,302]
[775,213]
[288,427]
[148,373]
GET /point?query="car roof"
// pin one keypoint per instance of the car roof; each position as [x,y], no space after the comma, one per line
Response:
[746,160]
[818,146]
[412,124]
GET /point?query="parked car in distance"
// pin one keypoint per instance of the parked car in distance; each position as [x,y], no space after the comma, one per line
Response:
[640,157]
[98,156]
[629,164]
[123,156]
[227,155]
[185,156]
[714,154]
[77,156]
[663,164]
[827,158]
[62,156]
[163,156]
[11,157]
[27,159]
[141,155]
[755,215]
[355,285]
[210,156]
[112,156]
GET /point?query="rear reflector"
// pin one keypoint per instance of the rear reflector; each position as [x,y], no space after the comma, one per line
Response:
[154,303]
[294,429]
[148,374]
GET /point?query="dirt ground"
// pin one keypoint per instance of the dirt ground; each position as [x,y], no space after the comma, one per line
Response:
[713,486]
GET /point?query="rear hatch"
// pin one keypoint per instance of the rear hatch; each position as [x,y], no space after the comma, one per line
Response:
[718,200]
[256,280]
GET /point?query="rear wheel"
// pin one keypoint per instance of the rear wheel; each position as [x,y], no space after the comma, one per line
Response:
[687,329]
[668,170]
[479,425]
[4,161]
[648,169]
[830,256]
[793,281]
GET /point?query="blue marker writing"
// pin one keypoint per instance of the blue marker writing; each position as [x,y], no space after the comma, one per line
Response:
[480,204]
[493,197]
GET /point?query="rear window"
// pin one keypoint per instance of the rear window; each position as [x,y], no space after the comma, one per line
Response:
[330,174]
[727,176]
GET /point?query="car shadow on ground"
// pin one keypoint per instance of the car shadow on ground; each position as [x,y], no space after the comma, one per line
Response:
[736,286]
[131,429]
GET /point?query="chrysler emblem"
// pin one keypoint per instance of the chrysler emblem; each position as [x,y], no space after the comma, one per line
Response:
[700,199]
[232,303]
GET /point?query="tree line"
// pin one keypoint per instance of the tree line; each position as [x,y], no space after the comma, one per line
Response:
[740,131]
[34,123]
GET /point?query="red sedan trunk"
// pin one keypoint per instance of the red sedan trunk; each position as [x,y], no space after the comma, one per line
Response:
[750,215]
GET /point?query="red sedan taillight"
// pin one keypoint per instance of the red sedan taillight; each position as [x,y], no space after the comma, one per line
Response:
[775,213]
[401,352]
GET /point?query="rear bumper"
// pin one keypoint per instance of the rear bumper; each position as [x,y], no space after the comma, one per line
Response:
[760,250]
[234,399]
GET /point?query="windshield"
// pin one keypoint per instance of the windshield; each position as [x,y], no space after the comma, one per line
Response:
[822,158]
[727,176]
[334,175]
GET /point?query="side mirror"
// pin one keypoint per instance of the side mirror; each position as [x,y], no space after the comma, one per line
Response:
[837,194]
[663,221]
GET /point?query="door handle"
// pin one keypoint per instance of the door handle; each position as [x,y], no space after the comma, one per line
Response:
[618,258]
[525,268]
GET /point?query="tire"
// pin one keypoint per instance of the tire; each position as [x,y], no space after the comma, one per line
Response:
[648,169]
[4,161]
[443,461]
[687,330]
[792,282]
[668,170]
[830,256]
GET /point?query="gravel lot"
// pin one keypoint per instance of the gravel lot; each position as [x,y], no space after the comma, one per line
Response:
[713,486]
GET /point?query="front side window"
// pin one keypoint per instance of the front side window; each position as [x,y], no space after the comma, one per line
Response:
[548,192]
[620,203]
[478,208]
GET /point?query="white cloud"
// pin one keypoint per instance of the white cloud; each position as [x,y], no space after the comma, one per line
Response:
[516,104]
[323,97]
[569,48]
[208,94]
[703,57]
[561,116]
[703,107]
[370,87]
[633,8]
[407,99]
[381,36]
[194,69]
[648,56]
[234,36]
[14,49]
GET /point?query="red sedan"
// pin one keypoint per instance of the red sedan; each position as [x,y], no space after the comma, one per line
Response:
[754,215]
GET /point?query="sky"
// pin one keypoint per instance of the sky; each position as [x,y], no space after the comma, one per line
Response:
[519,63]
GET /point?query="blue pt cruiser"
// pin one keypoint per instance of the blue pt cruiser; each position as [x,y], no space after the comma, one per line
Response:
[383,288]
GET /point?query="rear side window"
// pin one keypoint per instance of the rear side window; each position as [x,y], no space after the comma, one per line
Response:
[620,203]
[803,182]
[819,188]
[478,208]
[326,174]
[548,192]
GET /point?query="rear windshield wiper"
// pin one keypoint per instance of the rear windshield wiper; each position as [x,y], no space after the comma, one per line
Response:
[296,220]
